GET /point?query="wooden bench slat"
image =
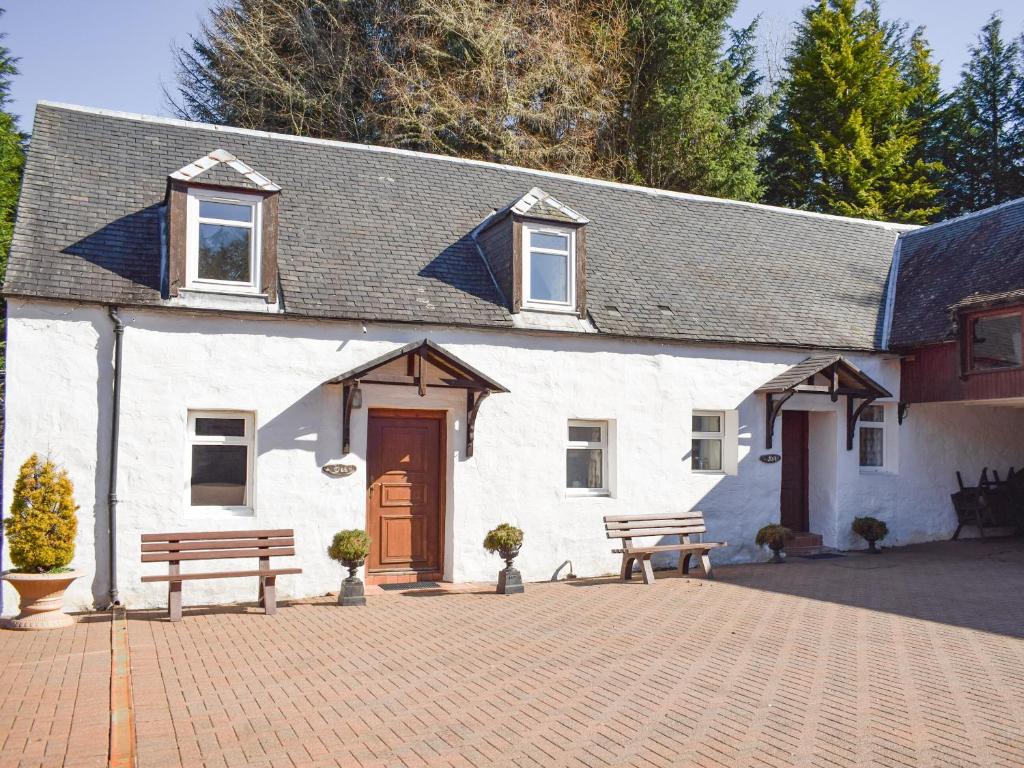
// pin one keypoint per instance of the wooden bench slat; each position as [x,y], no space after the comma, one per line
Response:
[643,532]
[667,523]
[185,546]
[222,575]
[219,554]
[696,546]
[213,535]
[665,516]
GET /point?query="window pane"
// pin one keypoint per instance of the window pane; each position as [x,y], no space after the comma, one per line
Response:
[224,253]
[209,209]
[206,427]
[219,475]
[548,277]
[583,468]
[873,413]
[585,434]
[706,455]
[871,446]
[996,342]
[707,423]
[544,240]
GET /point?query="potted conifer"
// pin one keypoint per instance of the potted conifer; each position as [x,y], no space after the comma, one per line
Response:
[774,537]
[40,535]
[506,540]
[871,529]
[350,548]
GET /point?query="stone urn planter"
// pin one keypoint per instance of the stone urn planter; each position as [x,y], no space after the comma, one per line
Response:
[506,540]
[871,529]
[774,537]
[40,531]
[42,599]
[350,548]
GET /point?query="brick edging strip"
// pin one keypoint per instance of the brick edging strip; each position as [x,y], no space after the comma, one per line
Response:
[122,713]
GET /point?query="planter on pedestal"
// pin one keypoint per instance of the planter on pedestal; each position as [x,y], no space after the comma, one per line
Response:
[352,592]
[42,599]
[510,582]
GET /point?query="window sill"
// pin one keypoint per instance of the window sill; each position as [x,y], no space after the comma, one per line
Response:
[876,471]
[219,512]
[707,471]
[574,493]
[204,298]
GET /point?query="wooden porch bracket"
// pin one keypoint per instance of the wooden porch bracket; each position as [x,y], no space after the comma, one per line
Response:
[771,412]
[473,400]
[348,396]
[852,414]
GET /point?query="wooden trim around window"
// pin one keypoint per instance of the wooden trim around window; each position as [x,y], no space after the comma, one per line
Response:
[268,248]
[966,322]
[177,223]
[517,264]
[581,271]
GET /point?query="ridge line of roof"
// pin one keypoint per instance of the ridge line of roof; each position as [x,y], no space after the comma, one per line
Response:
[141,117]
[965,216]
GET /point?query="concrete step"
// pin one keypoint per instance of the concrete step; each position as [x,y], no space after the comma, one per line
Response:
[804,543]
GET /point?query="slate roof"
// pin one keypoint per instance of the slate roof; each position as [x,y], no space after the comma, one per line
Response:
[971,260]
[849,375]
[374,234]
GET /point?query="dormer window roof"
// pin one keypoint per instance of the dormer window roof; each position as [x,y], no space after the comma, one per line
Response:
[536,251]
[222,228]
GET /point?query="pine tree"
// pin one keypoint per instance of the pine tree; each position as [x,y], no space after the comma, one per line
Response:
[846,137]
[984,124]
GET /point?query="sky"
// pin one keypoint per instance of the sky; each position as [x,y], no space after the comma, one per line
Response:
[118,54]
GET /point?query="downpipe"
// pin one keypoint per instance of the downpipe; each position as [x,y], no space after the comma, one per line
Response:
[115,425]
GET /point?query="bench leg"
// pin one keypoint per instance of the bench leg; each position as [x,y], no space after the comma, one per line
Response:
[648,570]
[684,563]
[174,600]
[705,562]
[626,573]
[268,594]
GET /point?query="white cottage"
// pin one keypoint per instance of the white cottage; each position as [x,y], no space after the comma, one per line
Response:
[215,328]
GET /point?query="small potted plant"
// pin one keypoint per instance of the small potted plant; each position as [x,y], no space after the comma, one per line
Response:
[506,540]
[350,548]
[774,537]
[41,538]
[871,529]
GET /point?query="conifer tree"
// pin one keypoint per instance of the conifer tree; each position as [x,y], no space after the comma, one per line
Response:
[984,125]
[846,138]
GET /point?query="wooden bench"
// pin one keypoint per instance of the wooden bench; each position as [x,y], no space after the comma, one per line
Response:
[173,548]
[629,527]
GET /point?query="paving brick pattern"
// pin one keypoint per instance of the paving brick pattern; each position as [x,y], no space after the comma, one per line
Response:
[912,658]
[55,696]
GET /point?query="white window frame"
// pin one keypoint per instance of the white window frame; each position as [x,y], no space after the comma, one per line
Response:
[193,220]
[551,306]
[249,440]
[604,445]
[882,426]
[719,436]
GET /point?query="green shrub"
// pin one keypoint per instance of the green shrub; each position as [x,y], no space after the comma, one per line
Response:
[504,537]
[351,546]
[870,528]
[772,536]
[42,526]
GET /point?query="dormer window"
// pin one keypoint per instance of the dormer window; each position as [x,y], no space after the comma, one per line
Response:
[994,340]
[223,241]
[549,268]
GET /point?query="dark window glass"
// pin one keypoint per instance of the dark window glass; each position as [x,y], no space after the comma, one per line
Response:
[872,448]
[207,427]
[707,423]
[996,342]
[212,209]
[584,468]
[706,455]
[224,253]
[219,475]
[585,434]
[549,278]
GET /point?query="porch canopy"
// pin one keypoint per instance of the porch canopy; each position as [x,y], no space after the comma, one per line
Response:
[421,364]
[831,375]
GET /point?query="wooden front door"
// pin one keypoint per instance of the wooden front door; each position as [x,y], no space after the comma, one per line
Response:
[794,501]
[405,497]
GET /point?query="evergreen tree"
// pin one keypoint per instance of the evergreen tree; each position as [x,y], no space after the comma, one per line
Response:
[12,154]
[847,136]
[645,91]
[984,124]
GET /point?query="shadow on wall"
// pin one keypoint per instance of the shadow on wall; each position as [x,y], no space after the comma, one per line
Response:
[115,247]
[304,426]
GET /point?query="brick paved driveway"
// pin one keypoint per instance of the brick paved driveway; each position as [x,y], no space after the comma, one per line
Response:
[912,658]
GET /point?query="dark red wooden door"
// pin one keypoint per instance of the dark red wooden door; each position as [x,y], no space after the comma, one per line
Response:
[405,496]
[794,470]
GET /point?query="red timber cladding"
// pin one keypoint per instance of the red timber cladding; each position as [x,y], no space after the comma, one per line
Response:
[932,375]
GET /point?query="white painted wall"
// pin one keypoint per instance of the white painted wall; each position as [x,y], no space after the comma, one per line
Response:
[59,384]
